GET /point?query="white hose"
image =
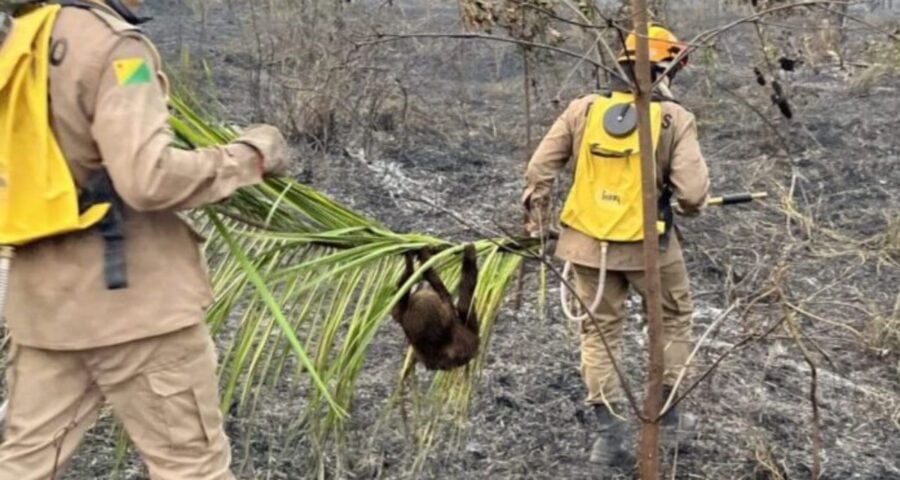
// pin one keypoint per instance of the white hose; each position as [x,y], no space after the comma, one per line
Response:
[598,297]
[6,255]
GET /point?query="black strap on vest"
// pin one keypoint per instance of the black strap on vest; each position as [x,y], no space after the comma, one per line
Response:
[666,214]
[99,189]
[126,13]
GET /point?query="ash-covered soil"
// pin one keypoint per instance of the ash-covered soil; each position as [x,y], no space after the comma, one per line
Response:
[822,252]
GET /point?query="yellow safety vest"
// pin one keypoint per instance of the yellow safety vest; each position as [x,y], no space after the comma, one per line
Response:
[38,196]
[605,201]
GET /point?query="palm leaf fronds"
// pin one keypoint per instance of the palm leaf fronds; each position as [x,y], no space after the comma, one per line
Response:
[303,284]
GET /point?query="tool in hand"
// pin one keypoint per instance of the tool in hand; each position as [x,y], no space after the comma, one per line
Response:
[737,198]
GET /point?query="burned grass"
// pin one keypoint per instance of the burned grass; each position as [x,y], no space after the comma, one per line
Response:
[824,250]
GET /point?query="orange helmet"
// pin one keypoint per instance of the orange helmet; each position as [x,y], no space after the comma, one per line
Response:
[664,46]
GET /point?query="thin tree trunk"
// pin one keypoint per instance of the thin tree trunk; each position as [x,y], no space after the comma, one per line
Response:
[649,446]
[526,64]
[520,283]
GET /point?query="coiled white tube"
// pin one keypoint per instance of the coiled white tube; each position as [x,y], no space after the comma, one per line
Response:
[598,297]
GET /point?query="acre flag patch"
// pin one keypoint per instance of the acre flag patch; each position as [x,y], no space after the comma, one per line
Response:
[132,71]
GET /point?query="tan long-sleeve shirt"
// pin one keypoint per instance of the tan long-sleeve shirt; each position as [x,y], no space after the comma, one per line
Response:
[679,162]
[109,110]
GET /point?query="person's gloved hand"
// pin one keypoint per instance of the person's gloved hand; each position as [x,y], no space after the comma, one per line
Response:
[549,238]
[537,224]
[681,210]
[270,143]
[537,216]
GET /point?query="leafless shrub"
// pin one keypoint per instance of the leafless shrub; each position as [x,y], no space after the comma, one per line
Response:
[863,83]
[765,456]
[307,75]
[884,329]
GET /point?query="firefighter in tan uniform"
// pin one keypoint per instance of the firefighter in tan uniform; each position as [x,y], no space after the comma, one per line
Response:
[144,349]
[682,176]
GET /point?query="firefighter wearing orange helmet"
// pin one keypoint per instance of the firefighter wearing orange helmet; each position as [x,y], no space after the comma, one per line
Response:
[602,230]
[664,46]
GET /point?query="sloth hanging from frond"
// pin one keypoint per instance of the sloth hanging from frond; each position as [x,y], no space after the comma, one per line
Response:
[444,336]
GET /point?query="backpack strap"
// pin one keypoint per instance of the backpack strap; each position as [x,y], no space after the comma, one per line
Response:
[99,189]
[126,13]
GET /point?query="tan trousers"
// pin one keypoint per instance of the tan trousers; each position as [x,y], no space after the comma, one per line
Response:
[163,389]
[596,366]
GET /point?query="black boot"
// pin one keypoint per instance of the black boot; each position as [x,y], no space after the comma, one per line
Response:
[611,447]
[677,427]
[670,419]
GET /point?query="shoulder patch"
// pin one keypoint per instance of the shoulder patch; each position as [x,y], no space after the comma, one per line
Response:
[132,71]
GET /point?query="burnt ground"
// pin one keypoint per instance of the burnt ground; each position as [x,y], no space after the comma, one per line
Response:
[823,251]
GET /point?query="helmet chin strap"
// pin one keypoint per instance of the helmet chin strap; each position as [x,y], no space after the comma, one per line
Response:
[126,13]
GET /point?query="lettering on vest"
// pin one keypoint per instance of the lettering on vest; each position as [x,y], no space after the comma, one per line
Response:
[667,121]
[611,197]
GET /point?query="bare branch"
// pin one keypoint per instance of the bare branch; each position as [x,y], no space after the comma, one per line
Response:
[390,37]
[704,37]
[813,395]
[893,36]
[690,360]
[761,115]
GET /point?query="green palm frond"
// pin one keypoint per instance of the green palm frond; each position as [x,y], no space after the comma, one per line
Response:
[303,284]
